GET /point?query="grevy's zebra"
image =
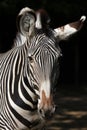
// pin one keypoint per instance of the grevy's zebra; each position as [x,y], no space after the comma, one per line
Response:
[28,73]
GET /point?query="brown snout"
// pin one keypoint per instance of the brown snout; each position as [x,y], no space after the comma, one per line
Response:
[46,106]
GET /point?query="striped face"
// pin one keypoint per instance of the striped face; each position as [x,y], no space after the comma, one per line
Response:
[43,63]
[43,53]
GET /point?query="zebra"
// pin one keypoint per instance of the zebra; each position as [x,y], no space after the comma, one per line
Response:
[29,71]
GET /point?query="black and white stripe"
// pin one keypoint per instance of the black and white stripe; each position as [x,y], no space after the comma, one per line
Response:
[18,78]
[23,69]
[18,97]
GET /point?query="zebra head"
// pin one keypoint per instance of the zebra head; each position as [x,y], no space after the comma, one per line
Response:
[43,58]
[43,54]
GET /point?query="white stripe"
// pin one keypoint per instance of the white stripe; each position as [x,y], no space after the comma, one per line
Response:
[38,22]
[67,31]
[45,86]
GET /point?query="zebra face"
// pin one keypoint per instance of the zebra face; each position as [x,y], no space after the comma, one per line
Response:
[43,53]
[43,63]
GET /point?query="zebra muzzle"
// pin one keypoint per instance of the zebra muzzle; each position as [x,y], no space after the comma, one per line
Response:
[47,114]
[46,107]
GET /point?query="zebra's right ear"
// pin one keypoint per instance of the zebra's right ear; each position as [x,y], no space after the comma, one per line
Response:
[67,30]
[26,21]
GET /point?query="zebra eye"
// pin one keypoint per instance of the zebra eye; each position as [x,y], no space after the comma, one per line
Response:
[31,59]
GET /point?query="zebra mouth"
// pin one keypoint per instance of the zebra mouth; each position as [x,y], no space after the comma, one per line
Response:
[47,115]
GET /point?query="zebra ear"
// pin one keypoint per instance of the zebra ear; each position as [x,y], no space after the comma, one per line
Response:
[42,20]
[26,21]
[67,30]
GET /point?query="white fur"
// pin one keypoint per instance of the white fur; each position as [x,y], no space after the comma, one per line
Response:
[83,18]
[25,10]
[45,86]
[38,21]
[64,33]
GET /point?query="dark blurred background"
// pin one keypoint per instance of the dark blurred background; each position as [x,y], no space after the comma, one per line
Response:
[73,65]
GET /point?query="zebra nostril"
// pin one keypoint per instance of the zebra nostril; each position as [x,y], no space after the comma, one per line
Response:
[41,112]
[47,114]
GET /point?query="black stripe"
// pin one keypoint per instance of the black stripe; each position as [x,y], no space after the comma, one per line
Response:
[27,96]
[28,85]
[19,117]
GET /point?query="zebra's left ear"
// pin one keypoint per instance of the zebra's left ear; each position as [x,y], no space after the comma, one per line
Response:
[26,21]
[67,30]
[42,20]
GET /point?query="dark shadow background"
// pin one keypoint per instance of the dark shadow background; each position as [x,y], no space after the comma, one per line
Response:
[73,65]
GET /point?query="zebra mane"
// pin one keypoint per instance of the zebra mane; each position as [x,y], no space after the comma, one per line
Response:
[19,40]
